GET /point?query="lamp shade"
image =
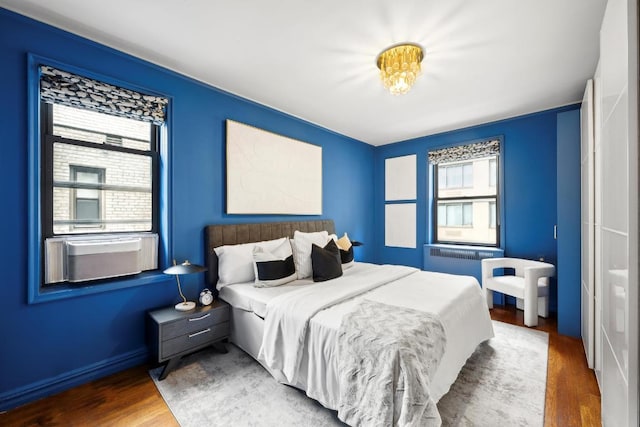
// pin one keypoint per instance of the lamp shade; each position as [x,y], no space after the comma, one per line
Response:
[185,268]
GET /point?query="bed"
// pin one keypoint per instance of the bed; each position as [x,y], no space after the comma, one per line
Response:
[456,301]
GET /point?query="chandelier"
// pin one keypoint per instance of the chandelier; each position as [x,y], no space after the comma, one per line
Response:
[399,66]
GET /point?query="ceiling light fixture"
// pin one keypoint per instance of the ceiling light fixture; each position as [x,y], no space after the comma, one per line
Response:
[399,66]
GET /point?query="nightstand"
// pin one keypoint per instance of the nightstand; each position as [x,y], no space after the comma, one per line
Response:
[173,334]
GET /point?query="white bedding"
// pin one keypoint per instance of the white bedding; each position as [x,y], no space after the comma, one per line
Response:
[247,297]
[457,300]
[288,315]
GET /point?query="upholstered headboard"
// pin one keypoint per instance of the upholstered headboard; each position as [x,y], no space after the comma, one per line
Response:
[232,234]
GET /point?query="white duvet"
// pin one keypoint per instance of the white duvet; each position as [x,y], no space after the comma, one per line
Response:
[299,344]
[287,317]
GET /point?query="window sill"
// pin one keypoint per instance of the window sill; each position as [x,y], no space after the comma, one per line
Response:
[65,290]
[463,246]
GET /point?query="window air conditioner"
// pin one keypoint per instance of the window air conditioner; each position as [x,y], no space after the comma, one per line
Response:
[80,259]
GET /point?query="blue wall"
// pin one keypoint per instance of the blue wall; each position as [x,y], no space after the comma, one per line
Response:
[54,345]
[529,212]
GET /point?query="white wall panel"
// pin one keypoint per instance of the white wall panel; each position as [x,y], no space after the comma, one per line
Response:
[613,54]
[616,168]
[400,225]
[400,178]
[619,227]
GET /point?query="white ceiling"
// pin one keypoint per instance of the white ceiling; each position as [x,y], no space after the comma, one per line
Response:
[484,60]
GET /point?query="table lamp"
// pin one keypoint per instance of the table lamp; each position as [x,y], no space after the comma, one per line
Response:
[184,268]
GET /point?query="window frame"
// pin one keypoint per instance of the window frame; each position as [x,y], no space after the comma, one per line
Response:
[495,163]
[494,217]
[37,293]
[498,199]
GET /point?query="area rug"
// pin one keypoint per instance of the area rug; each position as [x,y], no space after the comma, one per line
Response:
[502,383]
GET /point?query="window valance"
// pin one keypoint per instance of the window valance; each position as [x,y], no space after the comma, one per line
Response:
[465,152]
[62,87]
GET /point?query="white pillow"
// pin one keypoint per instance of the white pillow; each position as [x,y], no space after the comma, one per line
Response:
[275,267]
[301,245]
[235,262]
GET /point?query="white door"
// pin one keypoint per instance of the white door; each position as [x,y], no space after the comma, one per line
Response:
[619,226]
[597,154]
[587,223]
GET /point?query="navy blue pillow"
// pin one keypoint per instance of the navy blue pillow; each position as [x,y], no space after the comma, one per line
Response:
[346,256]
[276,269]
[326,262]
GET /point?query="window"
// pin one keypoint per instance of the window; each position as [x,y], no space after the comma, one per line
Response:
[455,176]
[99,180]
[95,186]
[466,194]
[86,204]
[492,214]
[455,214]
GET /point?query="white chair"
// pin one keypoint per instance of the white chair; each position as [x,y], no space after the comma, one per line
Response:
[529,284]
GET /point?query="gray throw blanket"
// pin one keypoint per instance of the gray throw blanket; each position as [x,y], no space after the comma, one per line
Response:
[386,357]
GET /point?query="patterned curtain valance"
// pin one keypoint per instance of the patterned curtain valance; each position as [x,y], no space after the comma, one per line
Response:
[61,87]
[465,152]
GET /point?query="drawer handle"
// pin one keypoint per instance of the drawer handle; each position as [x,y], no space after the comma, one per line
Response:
[200,333]
[199,318]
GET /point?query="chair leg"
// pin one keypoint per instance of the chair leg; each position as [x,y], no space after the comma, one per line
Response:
[531,311]
[543,307]
[488,295]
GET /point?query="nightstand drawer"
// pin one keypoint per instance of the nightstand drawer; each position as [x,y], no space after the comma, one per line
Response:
[173,333]
[194,339]
[195,322]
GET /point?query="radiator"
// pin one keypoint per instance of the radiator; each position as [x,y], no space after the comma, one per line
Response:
[457,259]
[80,259]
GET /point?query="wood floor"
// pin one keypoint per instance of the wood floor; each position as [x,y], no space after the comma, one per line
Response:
[573,396]
[130,398]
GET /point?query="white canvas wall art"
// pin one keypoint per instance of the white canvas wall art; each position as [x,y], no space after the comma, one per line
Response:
[400,225]
[400,178]
[269,173]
